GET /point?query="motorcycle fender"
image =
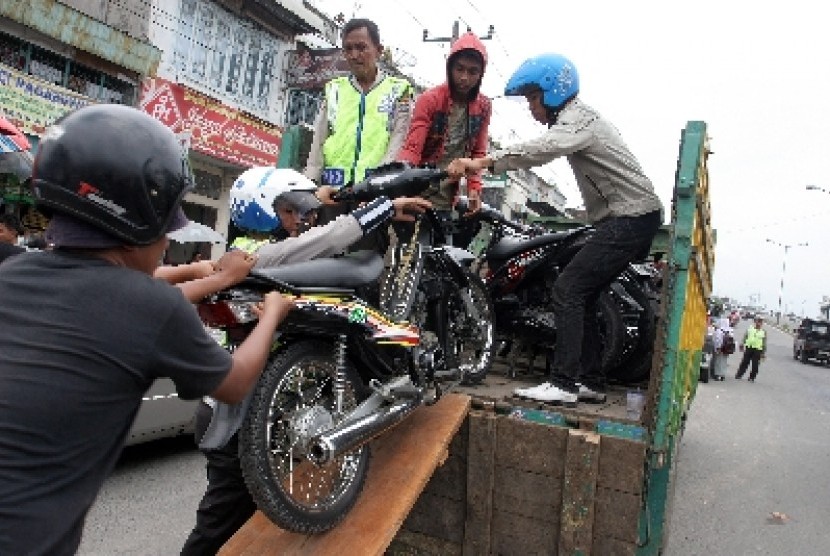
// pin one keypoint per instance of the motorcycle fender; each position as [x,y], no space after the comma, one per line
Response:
[619,290]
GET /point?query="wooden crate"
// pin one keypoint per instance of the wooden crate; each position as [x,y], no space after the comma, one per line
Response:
[510,486]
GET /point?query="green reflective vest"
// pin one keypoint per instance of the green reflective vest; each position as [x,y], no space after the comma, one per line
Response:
[755,338]
[360,126]
[248,244]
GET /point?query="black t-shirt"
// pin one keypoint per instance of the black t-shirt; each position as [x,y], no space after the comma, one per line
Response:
[81,340]
[7,250]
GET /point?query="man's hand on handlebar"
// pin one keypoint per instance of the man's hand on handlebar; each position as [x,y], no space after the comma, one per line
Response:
[473,202]
[462,166]
[324,193]
[405,206]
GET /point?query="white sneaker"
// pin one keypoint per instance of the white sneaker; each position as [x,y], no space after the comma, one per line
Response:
[554,395]
[591,396]
[530,391]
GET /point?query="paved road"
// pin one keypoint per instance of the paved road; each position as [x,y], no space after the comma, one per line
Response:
[753,449]
[148,506]
[748,450]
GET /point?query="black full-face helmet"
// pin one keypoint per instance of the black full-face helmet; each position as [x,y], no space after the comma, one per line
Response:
[115,168]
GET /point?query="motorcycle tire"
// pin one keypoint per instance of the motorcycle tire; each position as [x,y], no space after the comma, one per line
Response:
[637,366]
[293,401]
[612,329]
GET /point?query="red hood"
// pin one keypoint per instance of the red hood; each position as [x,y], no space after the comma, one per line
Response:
[467,41]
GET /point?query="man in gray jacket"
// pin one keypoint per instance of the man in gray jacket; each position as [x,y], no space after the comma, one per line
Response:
[619,201]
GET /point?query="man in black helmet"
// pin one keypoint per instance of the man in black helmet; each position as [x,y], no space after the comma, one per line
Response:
[73,371]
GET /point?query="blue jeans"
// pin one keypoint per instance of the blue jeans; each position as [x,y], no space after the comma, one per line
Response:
[615,242]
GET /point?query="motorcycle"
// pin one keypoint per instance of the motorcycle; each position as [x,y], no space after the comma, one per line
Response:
[343,370]
[520,264]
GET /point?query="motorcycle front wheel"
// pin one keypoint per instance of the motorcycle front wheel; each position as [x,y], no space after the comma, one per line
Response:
[293,402]
[471,339]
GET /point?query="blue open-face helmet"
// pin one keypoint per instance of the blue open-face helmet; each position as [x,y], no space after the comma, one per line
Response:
[254,192]
[554,74]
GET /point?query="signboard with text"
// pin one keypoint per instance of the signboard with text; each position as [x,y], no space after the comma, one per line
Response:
[33,104]
[210,127]
[311,69]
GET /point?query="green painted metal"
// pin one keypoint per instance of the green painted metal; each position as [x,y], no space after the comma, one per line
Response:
[539,416]
[290,148]
[72,27]
[670,402]
[622,430]
[687,285]
[656,500]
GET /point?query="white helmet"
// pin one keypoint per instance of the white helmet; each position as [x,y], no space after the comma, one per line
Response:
[255,191]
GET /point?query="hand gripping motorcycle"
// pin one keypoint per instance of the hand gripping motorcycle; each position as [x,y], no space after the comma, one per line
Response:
[344,371]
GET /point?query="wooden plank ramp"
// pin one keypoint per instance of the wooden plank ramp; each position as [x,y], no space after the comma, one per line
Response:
[403,460]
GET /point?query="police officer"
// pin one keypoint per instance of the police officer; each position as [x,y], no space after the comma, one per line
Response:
[754,346]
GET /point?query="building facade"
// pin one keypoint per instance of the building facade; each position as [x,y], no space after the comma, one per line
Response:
[215,72]
[60,56]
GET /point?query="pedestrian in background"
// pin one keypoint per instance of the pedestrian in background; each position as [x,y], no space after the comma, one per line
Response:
[721,332]
[754,347]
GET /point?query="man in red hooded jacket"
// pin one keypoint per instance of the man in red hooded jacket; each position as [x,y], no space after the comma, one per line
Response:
[451,120]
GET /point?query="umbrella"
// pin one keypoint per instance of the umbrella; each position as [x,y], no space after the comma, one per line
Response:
[194,232]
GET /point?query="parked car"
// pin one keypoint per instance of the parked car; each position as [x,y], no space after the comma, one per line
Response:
[162,414]
[812,341]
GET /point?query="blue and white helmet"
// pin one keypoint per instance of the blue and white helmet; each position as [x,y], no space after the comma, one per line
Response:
[256,190]
[553,73]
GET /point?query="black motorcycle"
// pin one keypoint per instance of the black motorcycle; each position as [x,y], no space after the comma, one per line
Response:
[344,370]
[520,264]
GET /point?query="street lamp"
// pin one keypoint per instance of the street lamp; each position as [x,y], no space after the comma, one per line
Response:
[783,270]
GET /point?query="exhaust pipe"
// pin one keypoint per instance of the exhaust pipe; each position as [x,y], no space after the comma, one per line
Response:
[350,435]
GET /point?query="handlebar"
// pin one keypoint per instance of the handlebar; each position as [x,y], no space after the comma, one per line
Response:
[392,180]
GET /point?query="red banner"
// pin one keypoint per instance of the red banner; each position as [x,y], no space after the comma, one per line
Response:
[206,125]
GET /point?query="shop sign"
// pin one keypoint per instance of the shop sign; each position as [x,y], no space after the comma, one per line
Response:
[210,127]
[311,69]
[33,104]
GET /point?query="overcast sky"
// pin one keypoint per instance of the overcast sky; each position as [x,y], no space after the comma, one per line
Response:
[758,73]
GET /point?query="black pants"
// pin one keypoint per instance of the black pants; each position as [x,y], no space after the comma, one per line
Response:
[750,355]
[226,504]
[615,243]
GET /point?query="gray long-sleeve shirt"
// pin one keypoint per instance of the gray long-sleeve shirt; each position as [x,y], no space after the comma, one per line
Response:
[609,177]
[327,240]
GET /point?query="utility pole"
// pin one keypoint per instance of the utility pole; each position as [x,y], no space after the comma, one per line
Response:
[783,270]
[455,34]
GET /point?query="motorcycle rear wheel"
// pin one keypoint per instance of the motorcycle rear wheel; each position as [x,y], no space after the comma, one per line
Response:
[293,401]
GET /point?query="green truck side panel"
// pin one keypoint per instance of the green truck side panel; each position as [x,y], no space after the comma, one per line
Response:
[691,260]
[72,27]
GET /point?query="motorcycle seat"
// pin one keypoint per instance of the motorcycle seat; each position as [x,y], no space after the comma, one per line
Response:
[510,246]
[349,271]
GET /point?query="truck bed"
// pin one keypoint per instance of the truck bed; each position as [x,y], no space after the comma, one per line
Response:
[499,384]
